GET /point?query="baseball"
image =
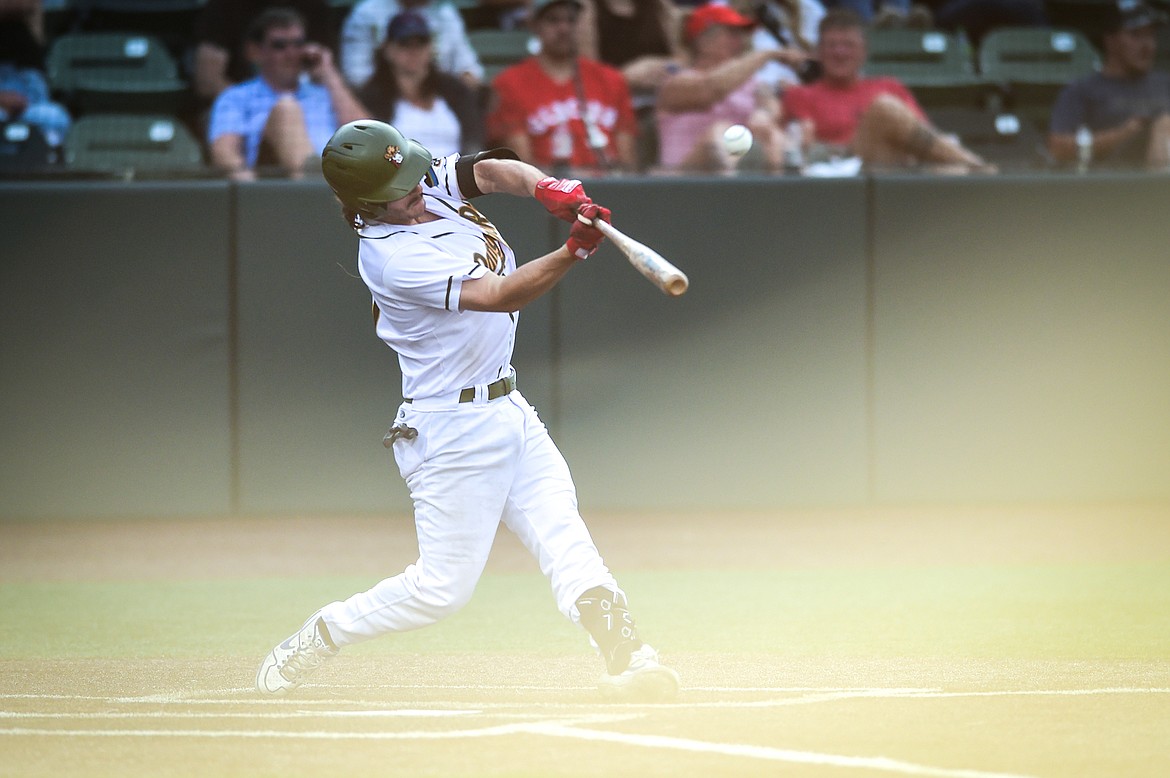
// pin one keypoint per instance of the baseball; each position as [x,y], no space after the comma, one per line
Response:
[737,139]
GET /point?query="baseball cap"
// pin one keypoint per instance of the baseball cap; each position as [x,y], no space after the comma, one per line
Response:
[540,6]
[406,25]
[1130,15]
[710,15]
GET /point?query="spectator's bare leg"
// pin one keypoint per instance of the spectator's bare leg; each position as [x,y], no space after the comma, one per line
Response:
[286,134]
[891,135]
[1158,153]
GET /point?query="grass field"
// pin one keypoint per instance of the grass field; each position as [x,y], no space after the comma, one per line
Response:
[965,642]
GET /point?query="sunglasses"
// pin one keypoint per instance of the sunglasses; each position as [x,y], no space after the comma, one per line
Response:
[280,44]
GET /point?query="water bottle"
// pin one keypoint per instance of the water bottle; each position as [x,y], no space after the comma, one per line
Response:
[794,149]
[1084,140]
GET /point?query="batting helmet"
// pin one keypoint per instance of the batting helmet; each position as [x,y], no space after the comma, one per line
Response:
[368,162]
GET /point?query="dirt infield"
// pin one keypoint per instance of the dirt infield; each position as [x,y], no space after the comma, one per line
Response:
[804,704]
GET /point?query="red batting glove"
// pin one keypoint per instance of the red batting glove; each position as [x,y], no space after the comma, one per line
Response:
[584,238]
[561,196]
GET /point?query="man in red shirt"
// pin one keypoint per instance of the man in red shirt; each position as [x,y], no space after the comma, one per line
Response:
[876,119]
[558,109]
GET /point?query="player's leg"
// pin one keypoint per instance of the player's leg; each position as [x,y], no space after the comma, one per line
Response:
[458,469]
[542,512]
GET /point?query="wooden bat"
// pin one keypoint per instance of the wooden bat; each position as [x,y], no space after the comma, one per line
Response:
[646,260]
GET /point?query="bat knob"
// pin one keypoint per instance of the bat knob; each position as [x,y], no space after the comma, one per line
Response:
[581,218]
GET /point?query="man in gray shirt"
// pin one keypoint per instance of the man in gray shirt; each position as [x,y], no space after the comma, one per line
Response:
[1122,113]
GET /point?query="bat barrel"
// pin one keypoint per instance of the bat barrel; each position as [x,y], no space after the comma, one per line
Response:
[646,260]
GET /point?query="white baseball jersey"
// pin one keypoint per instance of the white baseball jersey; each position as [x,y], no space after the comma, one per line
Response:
[416,273]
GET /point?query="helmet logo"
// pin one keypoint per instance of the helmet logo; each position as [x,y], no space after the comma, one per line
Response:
[393,155]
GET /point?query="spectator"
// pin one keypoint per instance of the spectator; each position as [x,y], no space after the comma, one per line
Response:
[784,24]
[1126,106]
[717,90]
[24,90]
[286,114]
[557,108]
[874,119]
[638,37]
[220,60]
[409,91]
[365,28]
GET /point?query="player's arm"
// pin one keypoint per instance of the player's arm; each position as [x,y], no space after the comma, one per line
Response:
[504,294]
[499,170]
[509,176]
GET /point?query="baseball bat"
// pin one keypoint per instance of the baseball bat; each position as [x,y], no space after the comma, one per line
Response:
[646,260]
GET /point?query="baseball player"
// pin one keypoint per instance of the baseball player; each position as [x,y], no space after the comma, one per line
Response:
[473,452]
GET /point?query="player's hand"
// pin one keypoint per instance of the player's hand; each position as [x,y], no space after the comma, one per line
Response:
[584,238]
[561,196]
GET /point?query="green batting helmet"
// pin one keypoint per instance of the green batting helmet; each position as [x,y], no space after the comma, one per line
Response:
[369,162]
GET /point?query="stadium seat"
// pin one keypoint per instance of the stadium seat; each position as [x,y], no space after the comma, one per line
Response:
[131,145]
[111,71]
[23,150]
[938,67]
[497,49]
[171,21]
[1002,139]
[1030,65]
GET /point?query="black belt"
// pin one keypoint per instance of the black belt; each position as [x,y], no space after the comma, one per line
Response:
[495,390]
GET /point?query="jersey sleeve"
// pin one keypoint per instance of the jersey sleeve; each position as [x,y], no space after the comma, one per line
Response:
[420,272]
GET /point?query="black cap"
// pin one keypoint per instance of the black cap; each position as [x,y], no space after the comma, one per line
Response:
[406,25]
[1130,15]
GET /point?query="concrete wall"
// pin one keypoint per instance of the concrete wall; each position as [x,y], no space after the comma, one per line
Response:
[204,348]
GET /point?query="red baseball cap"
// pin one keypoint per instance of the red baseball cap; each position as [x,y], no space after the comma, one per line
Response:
[707,16]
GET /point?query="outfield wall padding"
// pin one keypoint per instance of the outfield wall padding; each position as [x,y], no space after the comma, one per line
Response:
[206,348]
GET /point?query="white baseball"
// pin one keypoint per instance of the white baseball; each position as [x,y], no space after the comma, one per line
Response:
[737,139]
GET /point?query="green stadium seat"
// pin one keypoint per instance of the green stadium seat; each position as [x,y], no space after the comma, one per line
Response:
[171,21]
[1002,139]
[1031,65]
[23,150]
[131,145]
[497,49]
[112,71]
[938,67]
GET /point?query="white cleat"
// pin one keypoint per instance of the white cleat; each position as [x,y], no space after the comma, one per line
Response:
[645,680]
[294,660]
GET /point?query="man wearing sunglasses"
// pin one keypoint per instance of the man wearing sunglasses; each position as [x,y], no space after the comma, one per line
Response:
[281,119]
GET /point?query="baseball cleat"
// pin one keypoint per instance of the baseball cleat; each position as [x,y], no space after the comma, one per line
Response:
[644,680]
[290,663]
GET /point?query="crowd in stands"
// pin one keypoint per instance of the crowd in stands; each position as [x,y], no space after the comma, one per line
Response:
[600,86]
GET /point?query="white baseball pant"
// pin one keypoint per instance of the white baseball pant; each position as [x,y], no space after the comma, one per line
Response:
[471,466]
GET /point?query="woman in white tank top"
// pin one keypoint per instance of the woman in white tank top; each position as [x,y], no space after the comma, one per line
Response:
[407,88]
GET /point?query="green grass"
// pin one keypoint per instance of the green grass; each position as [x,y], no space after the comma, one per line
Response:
[1102,611]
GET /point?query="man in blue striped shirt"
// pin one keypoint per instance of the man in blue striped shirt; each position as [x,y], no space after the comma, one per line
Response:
[281,119]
